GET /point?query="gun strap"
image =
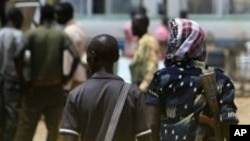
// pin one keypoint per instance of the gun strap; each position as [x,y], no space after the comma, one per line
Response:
[117,112]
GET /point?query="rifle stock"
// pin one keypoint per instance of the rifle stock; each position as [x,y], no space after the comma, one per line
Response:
[209,85]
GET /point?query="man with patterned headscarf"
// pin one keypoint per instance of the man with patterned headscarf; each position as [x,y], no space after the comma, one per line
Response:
[175,98]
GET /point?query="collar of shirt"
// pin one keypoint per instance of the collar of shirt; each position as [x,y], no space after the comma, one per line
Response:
[105,75]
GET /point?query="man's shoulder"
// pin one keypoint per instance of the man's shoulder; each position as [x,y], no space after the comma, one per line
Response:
[149,40]
[134,90]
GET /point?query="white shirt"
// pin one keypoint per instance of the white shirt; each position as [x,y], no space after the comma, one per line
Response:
[77,36]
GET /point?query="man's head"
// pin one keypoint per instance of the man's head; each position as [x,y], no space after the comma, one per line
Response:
[102,52]
[140,23]
[47,14]
[64,12]
[183,14]
[14,17]
[164,20]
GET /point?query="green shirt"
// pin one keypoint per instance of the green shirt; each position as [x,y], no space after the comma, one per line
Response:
[47,44]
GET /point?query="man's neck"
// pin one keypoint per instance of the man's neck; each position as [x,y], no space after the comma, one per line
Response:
[10,25]
[140,36]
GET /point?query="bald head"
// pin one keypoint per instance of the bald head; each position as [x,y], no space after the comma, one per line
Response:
[103,48]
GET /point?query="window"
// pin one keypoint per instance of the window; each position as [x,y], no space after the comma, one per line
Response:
[201,6]
[239,6]
[98,6]
[80,6]
[91,7]
[121,6]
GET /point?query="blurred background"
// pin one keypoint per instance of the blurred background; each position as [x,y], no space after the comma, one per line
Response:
[225,22]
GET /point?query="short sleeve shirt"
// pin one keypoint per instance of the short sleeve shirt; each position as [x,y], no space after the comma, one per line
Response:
[11,44]
[46,44]
[89,108]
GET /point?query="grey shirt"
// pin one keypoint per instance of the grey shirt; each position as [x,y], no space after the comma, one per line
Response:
[11,43]
[89,108]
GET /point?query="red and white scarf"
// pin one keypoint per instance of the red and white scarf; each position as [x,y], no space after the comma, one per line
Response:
[186,41]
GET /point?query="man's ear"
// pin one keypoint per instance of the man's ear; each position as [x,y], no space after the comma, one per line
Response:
[91,57]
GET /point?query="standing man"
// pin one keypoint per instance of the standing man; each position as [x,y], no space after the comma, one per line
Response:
[11,43]
[90,106]
[145,60]
[64,14]
[176,101]
[44,94]
[130,39]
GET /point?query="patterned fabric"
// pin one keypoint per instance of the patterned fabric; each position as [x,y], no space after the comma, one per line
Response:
[177,90]
[145,61]
[186,41]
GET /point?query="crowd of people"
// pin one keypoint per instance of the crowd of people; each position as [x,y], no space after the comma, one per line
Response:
[75,88]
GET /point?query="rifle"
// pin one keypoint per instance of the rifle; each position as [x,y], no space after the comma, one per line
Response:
[208,82]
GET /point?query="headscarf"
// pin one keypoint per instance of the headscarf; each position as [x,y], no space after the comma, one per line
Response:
[186,41]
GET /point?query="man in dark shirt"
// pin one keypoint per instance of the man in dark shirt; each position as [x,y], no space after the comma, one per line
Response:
[44,94]
[90,106]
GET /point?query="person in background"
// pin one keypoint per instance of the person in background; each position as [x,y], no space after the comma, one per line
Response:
[130,39]
[43,95]
[145,59]
[90,106]
[11,43]
[161,35]
[64,16]
[2,13]
[183,14]
[176,103]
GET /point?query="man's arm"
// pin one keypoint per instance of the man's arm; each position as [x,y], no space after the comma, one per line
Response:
[76,59]
[144,138]
[151,52]
[153,110]
[153,119]
[18,60]
[19,56]
[67,137]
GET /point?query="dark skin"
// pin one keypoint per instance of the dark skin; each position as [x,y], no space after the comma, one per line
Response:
[140,23]
[102,53]
[153,119]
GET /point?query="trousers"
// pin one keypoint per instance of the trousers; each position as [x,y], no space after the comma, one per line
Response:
[9,109]
[37,102]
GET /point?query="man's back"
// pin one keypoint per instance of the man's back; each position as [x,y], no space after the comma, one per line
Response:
[90,107]
[46,44]
[11,43]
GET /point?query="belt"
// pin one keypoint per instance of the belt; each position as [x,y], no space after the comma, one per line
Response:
[46,83]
